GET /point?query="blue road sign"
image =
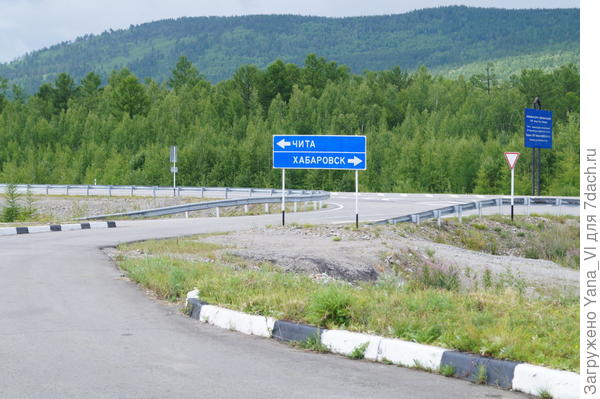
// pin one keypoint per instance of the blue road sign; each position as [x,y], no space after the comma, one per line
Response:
[538,128]
[320,152]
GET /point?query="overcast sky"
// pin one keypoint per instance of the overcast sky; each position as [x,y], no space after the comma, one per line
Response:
[27,25]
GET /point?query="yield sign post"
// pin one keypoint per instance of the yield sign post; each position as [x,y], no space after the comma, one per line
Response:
[511,159]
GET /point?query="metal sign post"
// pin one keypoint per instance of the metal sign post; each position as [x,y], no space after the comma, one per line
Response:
[173,158]
[511,159]
[319,152]
[356,196]
[283,197]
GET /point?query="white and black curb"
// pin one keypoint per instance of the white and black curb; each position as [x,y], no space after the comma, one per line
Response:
[522,377]
[7,231]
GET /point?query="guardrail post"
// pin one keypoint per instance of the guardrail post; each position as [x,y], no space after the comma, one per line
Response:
[267,208]
[109,190]
[201,192]
[272,191]
[479,208]
[527,202]
[246,208]
[226,190]
[47,186]
[132,191]
[67,189]
[250,195]
[87,190]
[179,191]
[314,205]
[295,206]
[499,205]
[558,204]
[218,212]
[154,191]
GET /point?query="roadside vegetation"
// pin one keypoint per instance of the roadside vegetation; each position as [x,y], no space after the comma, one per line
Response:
[493,319]
[17,207]
[554,238]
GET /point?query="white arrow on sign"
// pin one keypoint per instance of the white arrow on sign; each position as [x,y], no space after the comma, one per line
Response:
[355,161]
[511,158]
[282,143]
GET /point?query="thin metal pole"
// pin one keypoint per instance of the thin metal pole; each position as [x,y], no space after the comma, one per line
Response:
[283,197]
[174,181]
[512,194]
[539,174]
[356,195]
[533,172]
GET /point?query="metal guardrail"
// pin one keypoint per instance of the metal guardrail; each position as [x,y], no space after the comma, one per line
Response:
[198,206]
[478,205]
[91,189]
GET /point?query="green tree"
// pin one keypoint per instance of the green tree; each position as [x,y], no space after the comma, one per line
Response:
[184,74]
[128,94]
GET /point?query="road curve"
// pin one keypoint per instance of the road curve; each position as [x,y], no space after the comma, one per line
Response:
[72,327]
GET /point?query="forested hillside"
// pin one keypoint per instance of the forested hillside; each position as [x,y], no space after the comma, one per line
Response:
[440,38]
[425,133]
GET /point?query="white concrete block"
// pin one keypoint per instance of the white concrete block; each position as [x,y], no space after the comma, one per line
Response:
[410,354]
[38,229]
[208,313]
[69,227]
[98,225]
[8,231]
[344,342]
[237,321]
[535,379]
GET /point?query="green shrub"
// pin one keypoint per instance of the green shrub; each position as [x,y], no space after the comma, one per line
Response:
[11,211]
[447,370]
[359,351]
[313,343]
[330,306]
[436,276]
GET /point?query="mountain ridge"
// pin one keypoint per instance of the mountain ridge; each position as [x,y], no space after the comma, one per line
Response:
[439,38]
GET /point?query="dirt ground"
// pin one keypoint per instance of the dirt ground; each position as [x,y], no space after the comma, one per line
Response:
[374,252]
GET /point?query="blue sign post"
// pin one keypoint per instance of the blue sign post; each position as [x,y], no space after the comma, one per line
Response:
[319,152]
[538,135]
[538,128]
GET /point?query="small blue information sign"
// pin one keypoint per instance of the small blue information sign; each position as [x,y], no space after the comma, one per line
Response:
[320,152]
[538,128]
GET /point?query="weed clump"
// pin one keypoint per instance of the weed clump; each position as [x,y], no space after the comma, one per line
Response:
[330,306]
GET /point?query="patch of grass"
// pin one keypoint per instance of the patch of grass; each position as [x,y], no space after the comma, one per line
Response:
[498,322]
[337,238]
[359,351]
[481,374]
[313,343]
[185,245]
[447,370]
[554,238]
[544,394]
[385,360]
[330,306]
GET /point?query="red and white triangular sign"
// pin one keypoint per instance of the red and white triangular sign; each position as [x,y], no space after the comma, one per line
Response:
[511,158]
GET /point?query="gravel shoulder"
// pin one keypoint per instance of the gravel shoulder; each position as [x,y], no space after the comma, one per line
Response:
[371,252]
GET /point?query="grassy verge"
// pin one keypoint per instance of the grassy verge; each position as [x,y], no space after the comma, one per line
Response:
[494,322]
[554,238]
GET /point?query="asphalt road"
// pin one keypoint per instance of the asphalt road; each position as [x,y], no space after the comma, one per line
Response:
[72,327]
